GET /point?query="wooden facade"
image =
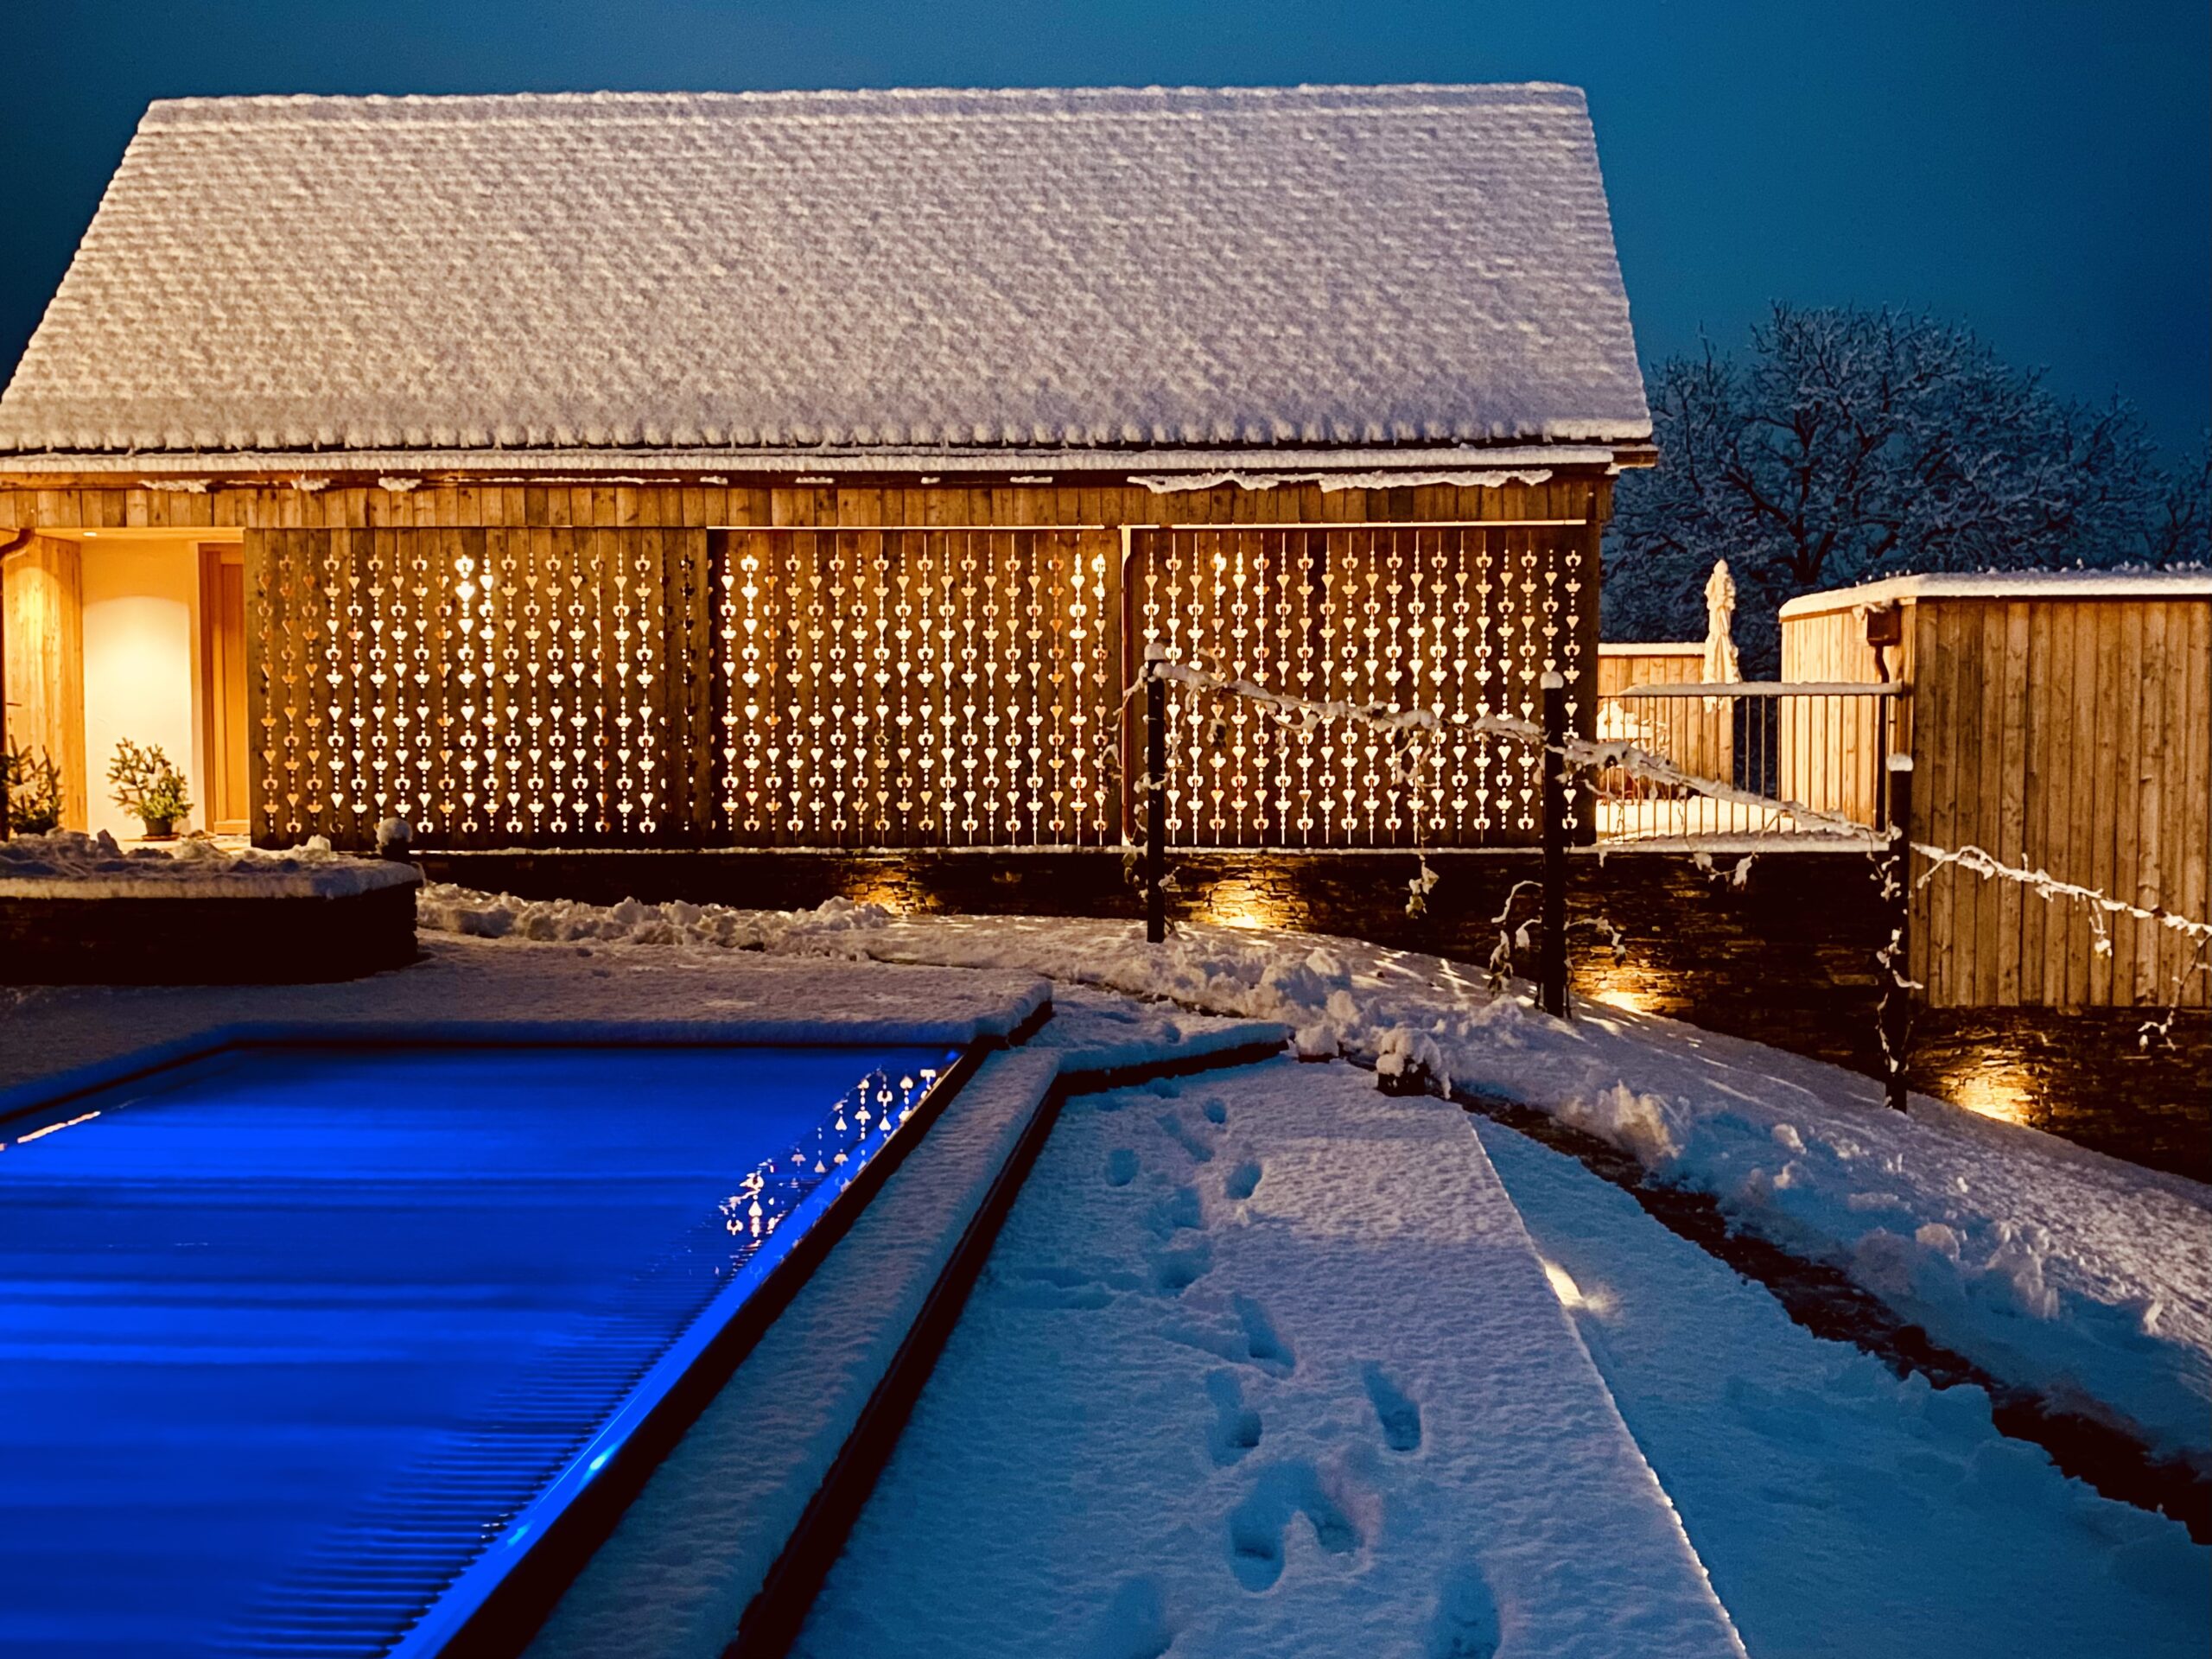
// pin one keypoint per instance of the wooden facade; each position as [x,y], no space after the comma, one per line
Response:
[689,662]
[2062,729]
[41,589]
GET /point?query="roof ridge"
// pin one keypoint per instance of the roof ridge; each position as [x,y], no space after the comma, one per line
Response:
[194,111]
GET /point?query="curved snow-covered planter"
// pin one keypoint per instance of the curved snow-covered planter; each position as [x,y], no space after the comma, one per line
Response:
[79,911]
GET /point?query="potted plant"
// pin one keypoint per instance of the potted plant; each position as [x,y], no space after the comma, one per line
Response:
[148,788]
[34,790]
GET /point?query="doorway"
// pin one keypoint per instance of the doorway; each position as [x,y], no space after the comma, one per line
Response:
[227,810]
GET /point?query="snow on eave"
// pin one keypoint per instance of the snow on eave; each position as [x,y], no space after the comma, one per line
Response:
[1177,483]
[2054,585]
[1395,464]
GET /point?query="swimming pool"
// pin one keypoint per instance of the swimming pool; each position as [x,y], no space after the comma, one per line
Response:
[300,1348]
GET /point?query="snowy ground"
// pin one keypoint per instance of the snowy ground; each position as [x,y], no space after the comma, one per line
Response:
[1232,1395]
[2053,1267]
[1264,1363]
[1128,1473]
[1841,1511]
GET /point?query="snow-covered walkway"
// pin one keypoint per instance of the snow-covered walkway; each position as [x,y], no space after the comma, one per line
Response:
[1265,1364]
[1841,1510]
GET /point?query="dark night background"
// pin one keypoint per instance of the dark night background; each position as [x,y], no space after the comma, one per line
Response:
[2039,171]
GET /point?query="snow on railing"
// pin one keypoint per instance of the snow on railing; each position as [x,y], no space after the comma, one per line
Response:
[1307,716]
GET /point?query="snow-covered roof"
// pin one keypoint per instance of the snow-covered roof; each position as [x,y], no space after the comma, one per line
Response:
[1136,268]
[2011,584]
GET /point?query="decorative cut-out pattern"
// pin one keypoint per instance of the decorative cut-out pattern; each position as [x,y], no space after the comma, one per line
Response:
[494,687]
[893,687]
[919,687]
[1458,619]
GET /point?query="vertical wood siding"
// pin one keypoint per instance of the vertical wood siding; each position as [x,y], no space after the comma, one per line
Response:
[1698,738]
[42,585]
[2073,736]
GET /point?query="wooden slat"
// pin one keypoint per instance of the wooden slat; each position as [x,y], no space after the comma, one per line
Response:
[2052,764]
[2105,666]
[2012,794]
[1951,679]
[2195,802]
[2145,799]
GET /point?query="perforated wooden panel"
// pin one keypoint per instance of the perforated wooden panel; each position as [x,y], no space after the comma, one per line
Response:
[919,687]
[494,687]
[535,685]
[1456,618]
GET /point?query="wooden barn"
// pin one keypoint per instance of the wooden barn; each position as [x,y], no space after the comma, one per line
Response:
[2061,722]
[812,469]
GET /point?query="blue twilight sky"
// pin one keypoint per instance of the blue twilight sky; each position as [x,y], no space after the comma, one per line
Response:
[2041,170]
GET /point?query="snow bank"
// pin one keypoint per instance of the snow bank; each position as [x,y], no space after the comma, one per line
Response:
[68,865]
[1841,1509]
[2052,1266]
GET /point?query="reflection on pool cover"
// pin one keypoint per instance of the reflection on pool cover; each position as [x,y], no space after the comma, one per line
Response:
[288,1344]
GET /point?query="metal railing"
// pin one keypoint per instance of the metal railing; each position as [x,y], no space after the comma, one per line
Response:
[1814,745]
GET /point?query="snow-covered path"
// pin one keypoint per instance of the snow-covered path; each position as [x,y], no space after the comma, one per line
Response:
[1840,1511]
[1264,1363]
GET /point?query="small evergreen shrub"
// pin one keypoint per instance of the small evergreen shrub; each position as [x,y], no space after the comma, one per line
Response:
[147,787]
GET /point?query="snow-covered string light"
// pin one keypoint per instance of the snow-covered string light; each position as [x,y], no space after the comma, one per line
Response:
[2099,906]
[1413,726]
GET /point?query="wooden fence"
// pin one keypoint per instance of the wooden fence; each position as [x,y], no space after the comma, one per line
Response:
[1696,738]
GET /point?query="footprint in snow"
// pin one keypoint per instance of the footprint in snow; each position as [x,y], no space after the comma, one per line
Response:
[1177,1211]
[1399,1416]
[1216,1109]
[1465,1625]
[1174,1271]
[1120,1167]
[1262,1341]
[1257,1525]
[1200,1152]
[1235,1429]
[1243,1181]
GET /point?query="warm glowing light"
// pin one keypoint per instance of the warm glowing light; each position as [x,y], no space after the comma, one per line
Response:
[1629,1001]
[1563,1285]
[1238,904]
[2004,1092]
[1572,1296]
[883,894]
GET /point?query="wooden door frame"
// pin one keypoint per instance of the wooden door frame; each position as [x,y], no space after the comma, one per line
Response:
[214,710]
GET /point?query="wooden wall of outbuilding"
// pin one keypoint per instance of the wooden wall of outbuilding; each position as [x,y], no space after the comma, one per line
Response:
[42,633]
[97,501]
[2068,735]
[331,561]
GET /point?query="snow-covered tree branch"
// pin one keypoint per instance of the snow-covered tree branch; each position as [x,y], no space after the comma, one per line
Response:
[1848,444]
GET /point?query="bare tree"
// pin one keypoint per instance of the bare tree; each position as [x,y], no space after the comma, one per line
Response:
[1850,444]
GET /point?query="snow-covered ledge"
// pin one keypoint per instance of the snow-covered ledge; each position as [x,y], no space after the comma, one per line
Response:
[79,910]
[66,865]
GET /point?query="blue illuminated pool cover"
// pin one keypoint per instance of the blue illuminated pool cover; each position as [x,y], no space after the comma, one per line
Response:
[297,1349]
